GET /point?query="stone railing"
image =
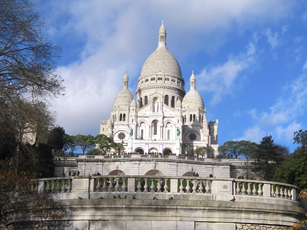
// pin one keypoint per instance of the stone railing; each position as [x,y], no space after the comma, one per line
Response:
[218,188]
[264,188]
[150,156]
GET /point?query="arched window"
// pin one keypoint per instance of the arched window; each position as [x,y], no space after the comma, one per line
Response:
[142,134]
[194,117]
[155,105]
[168,134]
[155,127]
[141,103]
[173,102]
[166,99]
[120,117]
[146,100]
[190,117]
[124,117]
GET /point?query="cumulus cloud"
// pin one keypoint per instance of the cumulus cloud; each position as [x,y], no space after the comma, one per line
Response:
[105,38]
[220,80]
[281,118]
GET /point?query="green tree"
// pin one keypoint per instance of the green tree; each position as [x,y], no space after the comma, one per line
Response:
[300,137]
[267,158]
[69,143]
[294,169]
[230,149]
[204,151]
[56,138]
[104,143]
[84,141]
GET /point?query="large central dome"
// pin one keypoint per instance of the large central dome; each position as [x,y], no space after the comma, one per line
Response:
[161,61]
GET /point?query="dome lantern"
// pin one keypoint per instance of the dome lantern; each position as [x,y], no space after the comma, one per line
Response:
[162,36]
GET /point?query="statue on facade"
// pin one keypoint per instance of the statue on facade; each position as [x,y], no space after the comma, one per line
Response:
[130,131]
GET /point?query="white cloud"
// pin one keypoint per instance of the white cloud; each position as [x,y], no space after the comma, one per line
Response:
[286,134]
[272,38]
[281,120]
[220,80]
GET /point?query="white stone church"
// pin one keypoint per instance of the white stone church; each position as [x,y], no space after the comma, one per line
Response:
[164,119]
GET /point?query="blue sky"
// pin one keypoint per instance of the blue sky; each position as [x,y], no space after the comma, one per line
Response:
[249,59]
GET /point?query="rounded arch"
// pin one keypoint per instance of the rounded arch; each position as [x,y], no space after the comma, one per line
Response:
[139,150]
[153,150]
[142,121]
[167,151]
[117,173]
[153,172]
[116,137]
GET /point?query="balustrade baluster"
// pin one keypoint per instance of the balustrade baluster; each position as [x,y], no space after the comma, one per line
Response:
[181,186]
[58,186]
[145,185]
[193,186]
[159,185]
[139,185]
[152,186]
[260,190]
[116,187]
[52,186]
[249,190]
[272,191]
[201,186]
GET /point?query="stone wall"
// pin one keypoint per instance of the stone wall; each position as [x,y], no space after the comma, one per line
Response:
[260,227]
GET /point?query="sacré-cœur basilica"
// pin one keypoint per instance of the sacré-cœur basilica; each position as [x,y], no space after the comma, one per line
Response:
[163,118]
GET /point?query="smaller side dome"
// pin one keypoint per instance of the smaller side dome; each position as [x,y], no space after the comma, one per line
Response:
[192,100]
[124,97]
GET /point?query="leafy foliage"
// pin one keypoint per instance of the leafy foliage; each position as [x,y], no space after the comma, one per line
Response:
[84,141]
[300,137]
[18,197]
[56,138]
[267,158]
[294,169]
[234,149]
[204,151]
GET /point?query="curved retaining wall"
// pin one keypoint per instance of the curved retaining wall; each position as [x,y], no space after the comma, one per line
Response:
[158,202]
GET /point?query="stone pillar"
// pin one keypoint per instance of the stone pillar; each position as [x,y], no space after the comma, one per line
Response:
[266,190]
[174,186]
[131,185]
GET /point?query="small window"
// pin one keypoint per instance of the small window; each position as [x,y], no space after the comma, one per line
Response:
[159,78]
[190,117]
[194,117]
[168,134]
[142,82]
[173,80]
[146,80]
[173,102]
[153,78]
[124,117]
[120,117]
[166,79]
[146,100]
[166,99]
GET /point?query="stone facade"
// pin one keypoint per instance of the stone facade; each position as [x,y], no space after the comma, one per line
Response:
[163,118]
